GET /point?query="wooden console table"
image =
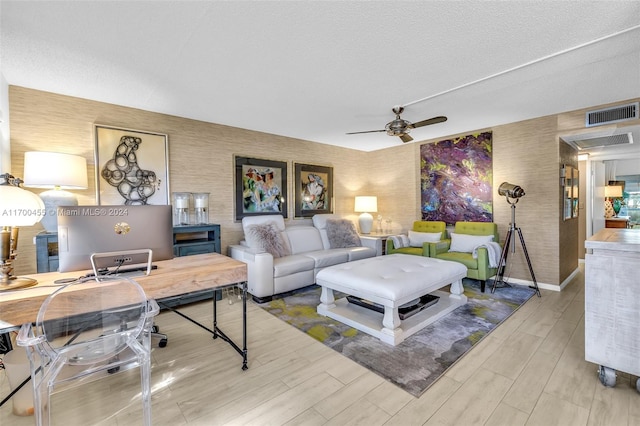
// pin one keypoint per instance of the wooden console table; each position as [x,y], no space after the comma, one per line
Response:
[174,277]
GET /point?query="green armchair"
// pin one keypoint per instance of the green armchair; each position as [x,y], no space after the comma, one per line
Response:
[419,226]
[477,268]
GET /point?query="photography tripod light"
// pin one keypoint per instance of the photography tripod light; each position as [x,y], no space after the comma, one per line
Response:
[513,193]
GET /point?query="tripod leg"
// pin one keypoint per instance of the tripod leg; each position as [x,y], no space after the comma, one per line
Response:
[503,261]
[526,255]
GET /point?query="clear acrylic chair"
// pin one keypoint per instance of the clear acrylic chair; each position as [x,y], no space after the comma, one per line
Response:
[86,330]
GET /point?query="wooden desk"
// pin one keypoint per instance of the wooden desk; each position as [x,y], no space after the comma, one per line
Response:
[174,277]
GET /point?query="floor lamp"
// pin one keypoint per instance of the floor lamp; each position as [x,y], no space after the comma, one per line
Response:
[512,193]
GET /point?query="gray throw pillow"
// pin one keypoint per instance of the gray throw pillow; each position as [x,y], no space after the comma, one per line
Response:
[266,237]
[342,233]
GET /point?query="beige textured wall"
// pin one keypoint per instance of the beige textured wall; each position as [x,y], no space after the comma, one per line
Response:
[200,154]
[201,160]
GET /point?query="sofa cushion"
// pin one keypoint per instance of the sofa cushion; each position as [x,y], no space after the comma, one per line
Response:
[323,258]
[303,239]
[267,237]
[342,233]
[467,243]
[357,253]
[293,264]
[417,239]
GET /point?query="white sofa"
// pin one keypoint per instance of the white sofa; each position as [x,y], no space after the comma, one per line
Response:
[307,252]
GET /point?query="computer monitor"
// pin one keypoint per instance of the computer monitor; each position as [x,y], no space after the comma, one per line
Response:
[85,230]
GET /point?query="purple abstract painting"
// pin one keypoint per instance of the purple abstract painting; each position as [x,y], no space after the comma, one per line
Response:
[456,177]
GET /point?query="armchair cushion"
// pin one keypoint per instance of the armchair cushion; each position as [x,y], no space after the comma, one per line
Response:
[436,231]
[478,265]
[464,243]
[416,239]
[342,234]
[469,261]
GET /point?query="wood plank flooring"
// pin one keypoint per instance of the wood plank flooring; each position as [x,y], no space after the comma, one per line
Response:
[529,371]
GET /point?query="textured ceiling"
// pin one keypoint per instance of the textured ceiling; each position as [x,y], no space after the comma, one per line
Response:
[316,70]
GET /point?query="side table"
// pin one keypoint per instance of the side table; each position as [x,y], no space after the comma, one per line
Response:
[381,241]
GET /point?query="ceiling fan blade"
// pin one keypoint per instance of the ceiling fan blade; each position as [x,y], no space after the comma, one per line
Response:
[366,131]
[405,137]
[434,120]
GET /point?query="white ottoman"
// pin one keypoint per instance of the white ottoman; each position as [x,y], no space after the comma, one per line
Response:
[390,281]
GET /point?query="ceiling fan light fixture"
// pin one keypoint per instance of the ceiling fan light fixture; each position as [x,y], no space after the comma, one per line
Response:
[398,127]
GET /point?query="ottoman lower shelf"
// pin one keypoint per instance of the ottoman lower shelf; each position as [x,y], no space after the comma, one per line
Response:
[370,321]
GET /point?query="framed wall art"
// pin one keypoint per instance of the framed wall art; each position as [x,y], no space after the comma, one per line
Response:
[260,187]
[571,182]
[132,167]
[456,178]
[313,190]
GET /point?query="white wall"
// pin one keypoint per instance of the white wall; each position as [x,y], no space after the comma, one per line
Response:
[628,167]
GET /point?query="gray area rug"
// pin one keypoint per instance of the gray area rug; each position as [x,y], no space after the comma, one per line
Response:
[420,360]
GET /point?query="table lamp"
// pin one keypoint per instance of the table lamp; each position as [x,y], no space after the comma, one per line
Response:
[366,205]
[57,172]
[612,194]
[19,207]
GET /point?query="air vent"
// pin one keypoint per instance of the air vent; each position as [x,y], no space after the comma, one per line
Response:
[613,115]
[582,142]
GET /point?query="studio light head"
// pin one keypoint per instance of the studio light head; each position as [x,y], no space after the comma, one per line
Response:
[511,191]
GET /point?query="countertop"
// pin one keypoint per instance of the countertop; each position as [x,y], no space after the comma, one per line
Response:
[615,239]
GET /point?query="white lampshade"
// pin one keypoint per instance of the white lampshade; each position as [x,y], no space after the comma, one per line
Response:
[366,205]
[22,207]
[56,171]
[613,191]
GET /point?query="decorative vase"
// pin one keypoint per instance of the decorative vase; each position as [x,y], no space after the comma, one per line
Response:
[616,206]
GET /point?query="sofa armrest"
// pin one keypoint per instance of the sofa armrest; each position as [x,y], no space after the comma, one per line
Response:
[371,242]
[259,269]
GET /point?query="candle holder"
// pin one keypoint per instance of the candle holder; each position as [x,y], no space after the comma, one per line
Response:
[201,207]
[181,201]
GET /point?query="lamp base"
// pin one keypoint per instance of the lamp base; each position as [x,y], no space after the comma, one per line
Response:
[52,200]
[12,283]
[366,223]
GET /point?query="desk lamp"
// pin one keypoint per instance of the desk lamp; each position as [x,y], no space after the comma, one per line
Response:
[57,172]
[366,205]
[18,207]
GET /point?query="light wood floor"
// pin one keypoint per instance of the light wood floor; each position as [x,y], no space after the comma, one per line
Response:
[529,371]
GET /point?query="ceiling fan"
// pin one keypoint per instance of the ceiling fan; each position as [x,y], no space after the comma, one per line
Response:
[401,128]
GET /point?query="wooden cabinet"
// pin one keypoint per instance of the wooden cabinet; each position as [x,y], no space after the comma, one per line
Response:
[196,239]
[617,222]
